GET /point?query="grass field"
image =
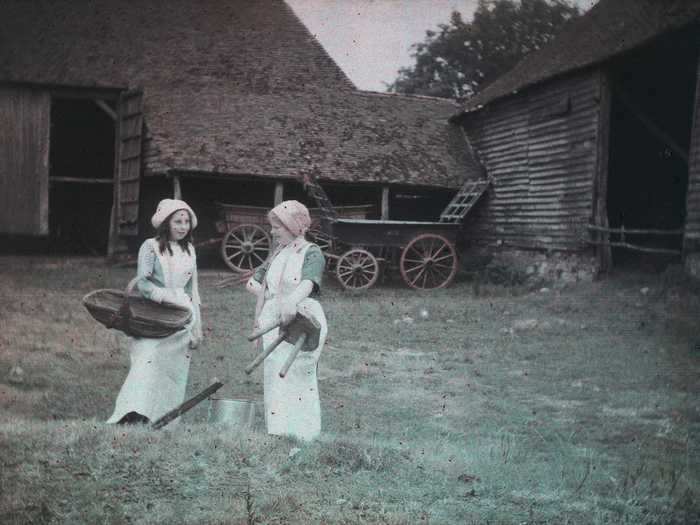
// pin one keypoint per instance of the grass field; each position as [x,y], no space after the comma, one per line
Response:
[502,405]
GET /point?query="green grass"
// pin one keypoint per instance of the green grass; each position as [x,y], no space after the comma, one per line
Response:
[473,415]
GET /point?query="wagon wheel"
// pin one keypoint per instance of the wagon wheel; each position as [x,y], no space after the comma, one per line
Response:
[245,247]
[321,239]
[357,269]
[429,261]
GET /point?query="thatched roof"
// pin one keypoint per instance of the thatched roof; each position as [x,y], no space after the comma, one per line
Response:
[232,87]
[610,28]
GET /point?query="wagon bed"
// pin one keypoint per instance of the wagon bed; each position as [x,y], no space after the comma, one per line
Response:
[423,251]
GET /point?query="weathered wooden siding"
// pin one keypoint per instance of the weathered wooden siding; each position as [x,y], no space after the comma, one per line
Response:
[692,221]
[540,147]
[24,161]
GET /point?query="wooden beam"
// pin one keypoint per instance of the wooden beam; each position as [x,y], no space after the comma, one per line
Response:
[279,192]
[113,244]
[600,187]
[81,180]
[105,107]
[177,189]
[385,203]
[655,130]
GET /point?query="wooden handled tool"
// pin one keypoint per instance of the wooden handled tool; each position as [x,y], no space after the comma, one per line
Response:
[187,405]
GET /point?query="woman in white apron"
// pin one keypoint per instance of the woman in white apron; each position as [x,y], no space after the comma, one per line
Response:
[284,283]
[167,267]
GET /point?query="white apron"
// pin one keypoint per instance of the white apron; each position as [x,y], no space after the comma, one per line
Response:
[292,403]
[157,378]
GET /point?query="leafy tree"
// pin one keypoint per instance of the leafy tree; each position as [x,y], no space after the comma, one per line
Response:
[463,57]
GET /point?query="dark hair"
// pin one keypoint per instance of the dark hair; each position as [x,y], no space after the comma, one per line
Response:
[163,235]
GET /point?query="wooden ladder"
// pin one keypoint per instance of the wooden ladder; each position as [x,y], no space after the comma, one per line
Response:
[316,192]
[464,200]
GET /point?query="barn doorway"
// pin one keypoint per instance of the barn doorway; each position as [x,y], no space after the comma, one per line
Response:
[653,92]
[81,172]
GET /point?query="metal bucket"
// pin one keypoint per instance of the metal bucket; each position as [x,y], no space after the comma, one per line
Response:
[239,413]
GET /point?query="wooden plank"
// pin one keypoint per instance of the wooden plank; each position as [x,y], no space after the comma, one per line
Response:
[80,180]
[106,108]
[600,186]
[24,160]
[129,162]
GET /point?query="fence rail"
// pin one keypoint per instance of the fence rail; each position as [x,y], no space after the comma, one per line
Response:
[622,243]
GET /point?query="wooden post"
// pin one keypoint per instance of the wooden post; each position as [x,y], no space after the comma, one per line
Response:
[177,189]
[113,242]
[279,192]
[385,203]
[600,189]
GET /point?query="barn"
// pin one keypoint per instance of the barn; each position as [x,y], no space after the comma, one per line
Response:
[593,141]
[107,106]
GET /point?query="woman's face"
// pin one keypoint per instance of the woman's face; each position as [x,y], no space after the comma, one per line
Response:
[280,233]
[179,225]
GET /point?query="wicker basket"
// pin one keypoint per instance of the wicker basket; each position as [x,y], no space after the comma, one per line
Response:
[135,315]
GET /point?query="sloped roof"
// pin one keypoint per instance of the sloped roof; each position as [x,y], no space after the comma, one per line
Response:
[610,28]
[232,87]
[359,137]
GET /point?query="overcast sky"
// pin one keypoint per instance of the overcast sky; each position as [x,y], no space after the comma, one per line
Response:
[371,39]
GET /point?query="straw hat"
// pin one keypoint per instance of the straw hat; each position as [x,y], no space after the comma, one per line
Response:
[166,207]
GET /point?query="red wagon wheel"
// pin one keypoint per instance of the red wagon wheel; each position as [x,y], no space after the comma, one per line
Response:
[357,269]
[245,247]
[429,261]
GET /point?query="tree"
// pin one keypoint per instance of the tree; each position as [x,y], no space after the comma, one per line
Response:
[462,57]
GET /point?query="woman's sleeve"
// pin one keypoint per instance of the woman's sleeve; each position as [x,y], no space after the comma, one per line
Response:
[312,269]
[144,271]
[260,272]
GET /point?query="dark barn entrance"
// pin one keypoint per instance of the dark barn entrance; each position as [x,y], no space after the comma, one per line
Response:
[653,93]
[81,172]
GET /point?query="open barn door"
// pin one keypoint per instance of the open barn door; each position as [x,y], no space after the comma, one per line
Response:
[691,240]
[129,161]
[24,161]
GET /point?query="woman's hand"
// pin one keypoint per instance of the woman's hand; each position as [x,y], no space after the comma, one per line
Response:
[194,342]
[254,286]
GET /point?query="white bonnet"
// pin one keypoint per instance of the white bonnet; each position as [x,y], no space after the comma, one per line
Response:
[166,207]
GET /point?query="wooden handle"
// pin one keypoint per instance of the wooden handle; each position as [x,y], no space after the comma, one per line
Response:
[297,346]
[261,357]
[187,405]
[263,330]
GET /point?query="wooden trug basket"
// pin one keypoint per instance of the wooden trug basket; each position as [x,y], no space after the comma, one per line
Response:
[135,315]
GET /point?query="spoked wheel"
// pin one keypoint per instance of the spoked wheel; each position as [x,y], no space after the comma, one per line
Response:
[357,269]
[429,261]
[245,247]
[321,239]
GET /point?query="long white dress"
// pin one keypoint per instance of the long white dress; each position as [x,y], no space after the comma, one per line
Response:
[157,378]
[292,403]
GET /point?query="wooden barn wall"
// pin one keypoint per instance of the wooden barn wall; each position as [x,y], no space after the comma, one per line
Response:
[692,221]
[24,161]
[540,147]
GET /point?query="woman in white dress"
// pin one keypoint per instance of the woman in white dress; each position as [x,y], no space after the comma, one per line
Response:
[283,284]
[167,268]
